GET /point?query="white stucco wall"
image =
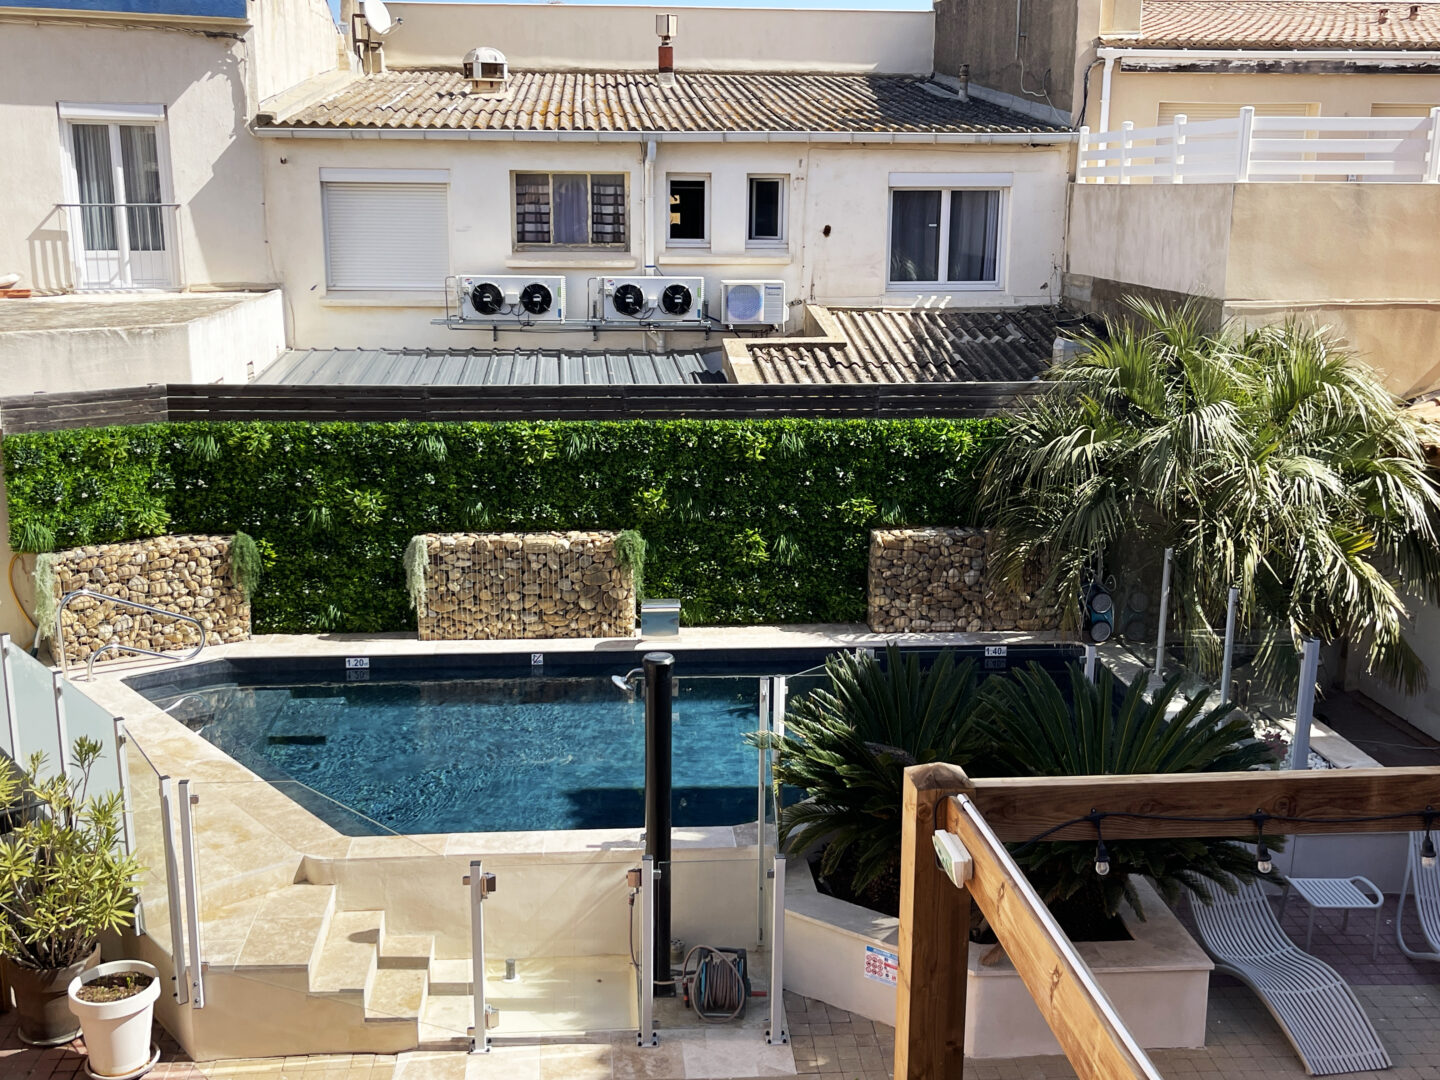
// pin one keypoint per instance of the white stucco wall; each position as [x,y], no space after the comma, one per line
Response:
[208,86]
[214,165]
[1164,236]
[846,188]
[293,40]
[221,346]
[565,37]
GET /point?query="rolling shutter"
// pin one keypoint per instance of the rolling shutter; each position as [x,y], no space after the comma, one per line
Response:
[386,235]
[1225,110]
[1395,108]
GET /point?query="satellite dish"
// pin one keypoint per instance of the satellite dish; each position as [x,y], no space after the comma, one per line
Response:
[377,15]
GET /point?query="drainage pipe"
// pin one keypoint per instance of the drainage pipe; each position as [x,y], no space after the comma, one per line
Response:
[659,678]
[647,201]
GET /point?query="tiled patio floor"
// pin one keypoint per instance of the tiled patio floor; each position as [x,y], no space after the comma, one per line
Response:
[1401,996]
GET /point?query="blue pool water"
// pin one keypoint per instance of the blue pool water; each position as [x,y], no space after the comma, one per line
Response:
[485,755]
[497,743]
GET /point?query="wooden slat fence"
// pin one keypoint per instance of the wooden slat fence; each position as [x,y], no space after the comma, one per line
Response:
[254,401]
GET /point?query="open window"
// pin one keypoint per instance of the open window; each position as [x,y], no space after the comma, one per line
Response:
[766,211]
[689,201]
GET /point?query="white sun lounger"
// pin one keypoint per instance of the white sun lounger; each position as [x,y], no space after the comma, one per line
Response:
[1425,885]
[1313,1005]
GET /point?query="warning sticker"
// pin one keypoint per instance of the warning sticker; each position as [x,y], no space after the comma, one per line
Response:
[881,966]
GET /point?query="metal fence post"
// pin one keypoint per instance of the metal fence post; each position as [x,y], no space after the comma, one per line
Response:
[1177,146]
[647,1035]
[1125,145]
[1164,614]
[1227,664]
[1305,703]
[1247,127]
[7,684]
[481,885]
[778,1031]
[192,893]
[1092,660]
[62,733]
[1080,165]
[172,890]
[760,756]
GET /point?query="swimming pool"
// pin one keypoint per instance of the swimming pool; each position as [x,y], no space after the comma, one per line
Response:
[494,746]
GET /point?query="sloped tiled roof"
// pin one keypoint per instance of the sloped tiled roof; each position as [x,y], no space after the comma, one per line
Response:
[950,345]
[636,102]
[1285,24]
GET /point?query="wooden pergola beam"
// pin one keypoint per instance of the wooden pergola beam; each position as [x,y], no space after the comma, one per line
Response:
[934,936]
[1021,808]
[1085,1022]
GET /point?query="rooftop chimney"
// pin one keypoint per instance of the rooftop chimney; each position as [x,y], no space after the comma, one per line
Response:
[1414,10]
[665,27]
[1384,14]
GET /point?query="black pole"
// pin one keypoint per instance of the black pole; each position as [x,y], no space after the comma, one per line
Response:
[659,670]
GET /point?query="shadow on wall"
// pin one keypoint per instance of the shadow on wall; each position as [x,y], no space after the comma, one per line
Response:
[222,215]
[50,260]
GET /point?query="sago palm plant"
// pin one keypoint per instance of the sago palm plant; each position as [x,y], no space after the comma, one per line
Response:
[1040,729]
[847,748]
[1269,459]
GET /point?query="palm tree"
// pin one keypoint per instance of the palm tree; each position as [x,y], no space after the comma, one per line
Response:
[1268,458]
[847,748]
[1039,729]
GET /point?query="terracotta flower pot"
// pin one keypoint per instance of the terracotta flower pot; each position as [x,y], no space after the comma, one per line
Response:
[42,1001]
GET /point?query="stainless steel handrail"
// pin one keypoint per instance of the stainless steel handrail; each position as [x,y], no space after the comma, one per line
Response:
[90,664]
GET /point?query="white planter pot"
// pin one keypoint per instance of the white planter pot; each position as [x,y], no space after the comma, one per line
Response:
[117,1033]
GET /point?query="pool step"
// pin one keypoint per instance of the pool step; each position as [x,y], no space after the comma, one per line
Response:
[284,936]
[450,977]
[349,953]
[407,950]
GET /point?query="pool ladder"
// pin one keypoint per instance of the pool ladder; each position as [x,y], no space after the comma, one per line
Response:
[117,646]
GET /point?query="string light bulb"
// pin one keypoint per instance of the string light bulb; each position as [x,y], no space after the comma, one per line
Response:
[1263,862]
[1427,848]
[1102,853]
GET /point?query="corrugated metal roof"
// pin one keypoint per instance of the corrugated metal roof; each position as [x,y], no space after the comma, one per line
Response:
[1284,24]
[489,367]
[1009,345]
[635,101]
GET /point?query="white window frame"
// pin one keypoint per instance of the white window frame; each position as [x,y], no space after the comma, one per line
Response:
[398,177]
[533,245]
[112,115]
[783,220]
[945,183]
[703,241]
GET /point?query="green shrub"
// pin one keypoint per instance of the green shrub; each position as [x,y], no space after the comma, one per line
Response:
[748,521]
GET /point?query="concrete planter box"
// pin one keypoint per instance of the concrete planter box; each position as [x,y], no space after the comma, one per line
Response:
[1159,980]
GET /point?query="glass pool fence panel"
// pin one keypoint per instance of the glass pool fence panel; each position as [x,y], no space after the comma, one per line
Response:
[720,959]
[35,728]
[87,719]
[345,922]
[562,933]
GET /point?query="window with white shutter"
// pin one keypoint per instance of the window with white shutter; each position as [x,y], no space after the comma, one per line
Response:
[386,235]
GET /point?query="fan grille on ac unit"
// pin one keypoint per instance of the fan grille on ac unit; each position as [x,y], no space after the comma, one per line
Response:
[746,303]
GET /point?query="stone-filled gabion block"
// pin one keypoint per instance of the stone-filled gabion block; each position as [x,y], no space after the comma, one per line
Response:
[933,581]
[189,575]
[525,585]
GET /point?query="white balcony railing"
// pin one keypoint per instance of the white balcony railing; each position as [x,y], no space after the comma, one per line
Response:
[1288,149]
[123,245]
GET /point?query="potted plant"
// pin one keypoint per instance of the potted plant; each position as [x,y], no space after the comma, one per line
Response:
[115,1003]
[65,879]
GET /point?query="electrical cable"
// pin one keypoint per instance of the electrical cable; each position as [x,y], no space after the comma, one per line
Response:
[715,986]
[10,579]
[1259,817]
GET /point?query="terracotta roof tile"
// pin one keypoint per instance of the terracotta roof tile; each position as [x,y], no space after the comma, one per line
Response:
[635,102]
[1285,24]
[950,345]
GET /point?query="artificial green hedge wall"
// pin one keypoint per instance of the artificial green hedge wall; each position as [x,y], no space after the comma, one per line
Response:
[749,521]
